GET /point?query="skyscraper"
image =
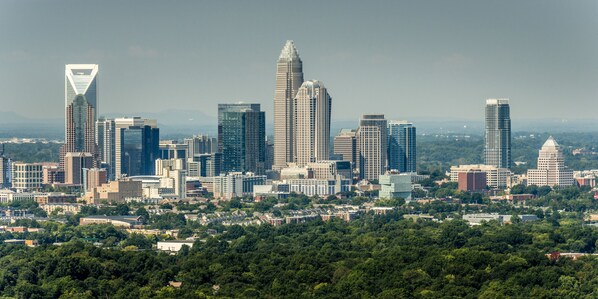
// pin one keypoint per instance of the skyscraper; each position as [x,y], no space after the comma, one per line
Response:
[345,145]
[242,137]
[4,169]
[497,150]
[402,151]
[136,146]
[289,77]
[81,106]
[551,169]
[75,164]
[311,110]
[105,139]
[372,137]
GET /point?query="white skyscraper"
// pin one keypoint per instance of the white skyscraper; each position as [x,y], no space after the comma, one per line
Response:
[312,123]
[372,137]
[551,169]
[289,77]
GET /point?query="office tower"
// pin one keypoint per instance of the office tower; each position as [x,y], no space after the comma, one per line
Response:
[26,176]
[269,154]
[74,166]
[4,169]
[105,139]
[200,144]
[372,138]
[311,110]
[242,137]
[94,177]
[136,146]
[345,146]
[551,169]
[289,77]
[402,151]
[497,149]
[81,101]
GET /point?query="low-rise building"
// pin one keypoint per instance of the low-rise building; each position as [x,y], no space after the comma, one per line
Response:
[395,185]
[174,245]
[118,221]
[495,177]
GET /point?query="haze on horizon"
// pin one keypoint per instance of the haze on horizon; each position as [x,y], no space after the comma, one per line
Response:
[407,59]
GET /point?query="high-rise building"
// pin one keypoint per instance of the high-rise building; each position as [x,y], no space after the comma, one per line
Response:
[345,146]
[136,146]
[311,110]
[75,164]
[551,169]
[200,144]
[81,102]
[26,176]
[242,137]
[289,77]
[373,139]
[402,150]
[4,169]
[105,139]
[497,150]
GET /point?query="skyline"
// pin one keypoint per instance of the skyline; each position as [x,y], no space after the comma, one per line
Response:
[536,55]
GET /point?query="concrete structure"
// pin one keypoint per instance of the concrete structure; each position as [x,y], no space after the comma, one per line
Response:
[289,77]
[136,146]
[402,149]
[497,150]
[81,108]
[174,245]
[473,180]
[75,164]
[115,191]
[394,185]
[236,185]
[372,138]
[551,169]
[312,106]
[26,176]
[242,137]
[495,177]
[345,146]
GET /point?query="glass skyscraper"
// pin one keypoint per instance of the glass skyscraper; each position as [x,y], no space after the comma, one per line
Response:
[402,150]
[242,137]
[136,146]
[497,150]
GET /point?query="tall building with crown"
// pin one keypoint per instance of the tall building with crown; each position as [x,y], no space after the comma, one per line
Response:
[311,108]
[372,138]
[81,106]
[289,77]
[551,169]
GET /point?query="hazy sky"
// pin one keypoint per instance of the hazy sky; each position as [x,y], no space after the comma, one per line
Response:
[407,59]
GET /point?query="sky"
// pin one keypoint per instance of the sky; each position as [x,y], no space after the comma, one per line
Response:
[407,59]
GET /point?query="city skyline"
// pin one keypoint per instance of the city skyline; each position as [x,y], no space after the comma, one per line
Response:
[486,57]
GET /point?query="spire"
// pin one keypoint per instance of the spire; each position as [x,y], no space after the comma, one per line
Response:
[550,143]
[289,52]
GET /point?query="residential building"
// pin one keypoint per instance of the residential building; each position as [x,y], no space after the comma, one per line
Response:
[311,112]
[118,221]
[345,146]
[372,138]
[551,169]
[402,149]
[26,176]
[136,146]
[242,137]
[289,77]
[497,150]
[81,108]
[395,185]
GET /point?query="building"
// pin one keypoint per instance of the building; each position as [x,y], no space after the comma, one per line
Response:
[311,112]
[81,108]
[52,174]
[495,177]
[329,170]
[105,139]
[319,187]
[497,150]
[551,169]
[345,146]
[205,165]
[236,185]
[173,176]
[94,177]
[394,185]
[27,176]
[200,144]
[118,221]
[115,191]
[174,245]
[54,198]
[242,137]
[75,164]
[172,150]
[4,170]
[372,139]
[402,149]
[289,77]
[8,196]
[473,180]
[136,146]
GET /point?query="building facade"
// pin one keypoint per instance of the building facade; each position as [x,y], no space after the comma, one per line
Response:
[495,177]
[372,138]
[402,149]
[289,77]
[136,146]
[105,139]
[395,185]
[551,169]
[497,150]
[345,146]
[75,164]
[311,109]
[26,176]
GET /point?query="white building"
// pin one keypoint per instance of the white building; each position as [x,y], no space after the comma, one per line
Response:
[395,185]
[312,123]
[236,184]
[311,187]
[372,139]
[174,245]
[551,169]
[27,176]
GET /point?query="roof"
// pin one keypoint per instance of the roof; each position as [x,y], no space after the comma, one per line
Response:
[289,52]
[550,143]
